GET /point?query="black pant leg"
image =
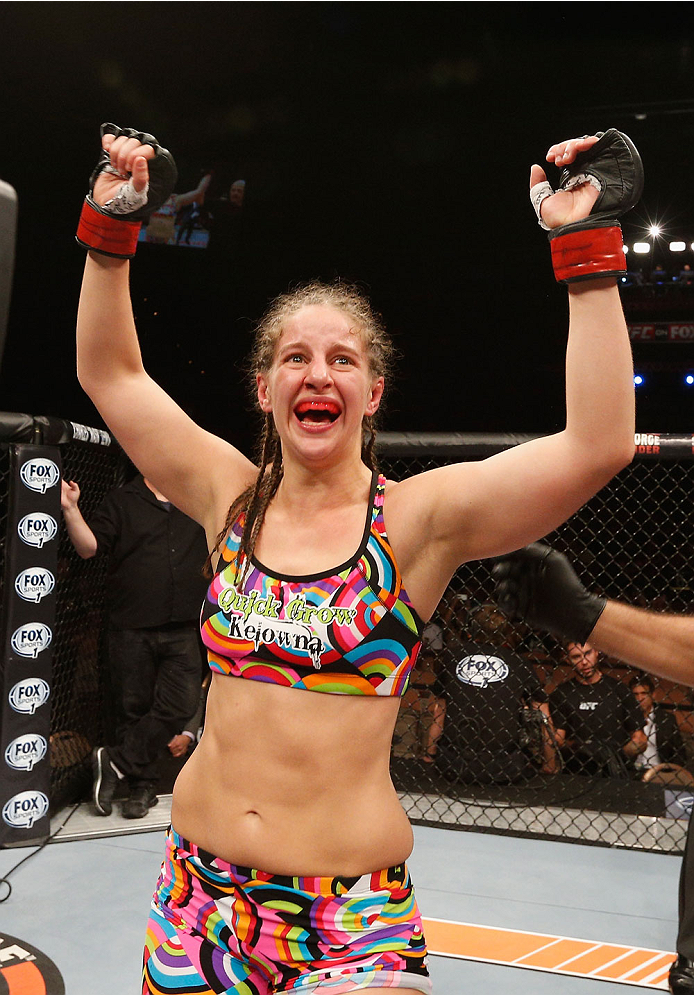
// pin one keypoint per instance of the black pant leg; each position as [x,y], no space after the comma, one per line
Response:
[685,933]
[133,671]
[173,700]
[180,674]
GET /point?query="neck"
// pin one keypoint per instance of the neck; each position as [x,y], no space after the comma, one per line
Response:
[331,486]
[597,676]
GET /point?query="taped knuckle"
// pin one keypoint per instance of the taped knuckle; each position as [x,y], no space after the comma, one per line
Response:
[538,194]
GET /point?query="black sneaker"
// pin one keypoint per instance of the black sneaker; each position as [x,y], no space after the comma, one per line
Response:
[682,976]
[105,781]
[140,802]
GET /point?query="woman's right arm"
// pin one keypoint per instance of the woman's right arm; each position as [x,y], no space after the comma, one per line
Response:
[199,472]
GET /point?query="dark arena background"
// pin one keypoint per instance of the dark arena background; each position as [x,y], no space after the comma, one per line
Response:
[387,144]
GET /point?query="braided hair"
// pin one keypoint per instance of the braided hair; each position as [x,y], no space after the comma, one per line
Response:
[254,501]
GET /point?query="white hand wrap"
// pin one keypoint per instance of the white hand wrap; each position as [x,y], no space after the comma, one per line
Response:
[538,193]
[127,199]
[541,191]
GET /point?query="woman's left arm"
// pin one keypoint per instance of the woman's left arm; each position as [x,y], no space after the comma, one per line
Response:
[504,502]
[475,510]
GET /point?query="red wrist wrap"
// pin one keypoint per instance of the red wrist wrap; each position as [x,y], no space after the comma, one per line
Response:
[110,236]
[588,254]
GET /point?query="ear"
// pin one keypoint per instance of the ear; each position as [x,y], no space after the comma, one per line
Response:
[263,394]
[375,396]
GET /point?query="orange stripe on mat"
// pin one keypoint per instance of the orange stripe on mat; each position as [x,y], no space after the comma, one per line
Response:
[544,952]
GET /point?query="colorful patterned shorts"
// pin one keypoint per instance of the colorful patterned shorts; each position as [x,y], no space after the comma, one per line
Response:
[218,929]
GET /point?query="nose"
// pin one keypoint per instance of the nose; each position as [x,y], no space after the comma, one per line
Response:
[318,374]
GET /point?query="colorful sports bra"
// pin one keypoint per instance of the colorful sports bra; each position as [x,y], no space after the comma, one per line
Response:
[351,630]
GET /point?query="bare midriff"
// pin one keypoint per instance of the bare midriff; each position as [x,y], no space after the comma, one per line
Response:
[293,782]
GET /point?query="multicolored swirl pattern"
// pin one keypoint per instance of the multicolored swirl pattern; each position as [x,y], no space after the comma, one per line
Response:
[352,630]
[219,929]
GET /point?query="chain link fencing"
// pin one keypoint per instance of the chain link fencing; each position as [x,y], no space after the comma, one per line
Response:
[81,718]
[495,734]
[484,752]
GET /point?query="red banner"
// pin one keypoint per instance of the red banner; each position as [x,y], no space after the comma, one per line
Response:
[662,331]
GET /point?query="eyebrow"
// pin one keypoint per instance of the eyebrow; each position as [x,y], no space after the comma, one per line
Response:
[298,344]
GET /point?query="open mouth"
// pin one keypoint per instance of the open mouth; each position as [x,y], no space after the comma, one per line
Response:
[317,411]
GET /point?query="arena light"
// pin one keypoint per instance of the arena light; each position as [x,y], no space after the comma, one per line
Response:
[654,231]
[638,380]
[689,379]
[677,246]
[642,248]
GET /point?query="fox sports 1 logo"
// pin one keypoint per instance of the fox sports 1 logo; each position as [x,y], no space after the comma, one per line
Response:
[24,809]
[39,474]
[480,670]
[31,639]
[24,752]
[37,528]
[29,694]
[34,583]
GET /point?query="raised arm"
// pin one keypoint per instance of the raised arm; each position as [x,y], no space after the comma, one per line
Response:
[198,471]
[481,509]
[539,586]
[81,536]
[659,643]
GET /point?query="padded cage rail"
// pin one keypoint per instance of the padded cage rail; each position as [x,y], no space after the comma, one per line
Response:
[52,681]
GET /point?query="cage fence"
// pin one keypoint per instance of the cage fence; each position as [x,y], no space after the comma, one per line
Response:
[478,742]
[79,707]
[80,716]
[496,734]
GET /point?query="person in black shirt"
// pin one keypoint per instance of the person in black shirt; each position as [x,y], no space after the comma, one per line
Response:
[664,761]
[597,721]
[538,586]
[154,589]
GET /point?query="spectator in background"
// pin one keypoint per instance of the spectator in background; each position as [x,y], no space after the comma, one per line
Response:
[665,757]
[422,711]
[598,724]
[489,691]
[659,274]
[538,586]
[154,589]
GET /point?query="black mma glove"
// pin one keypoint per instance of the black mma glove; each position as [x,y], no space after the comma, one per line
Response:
[113,228]
[538,586]
[592,247]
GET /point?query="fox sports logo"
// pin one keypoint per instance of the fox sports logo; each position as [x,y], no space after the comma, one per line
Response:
[480,670]
[34,583]
[31,639]
[28,695]
[39,474]
[37,528]
[24,752]
[24,809]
